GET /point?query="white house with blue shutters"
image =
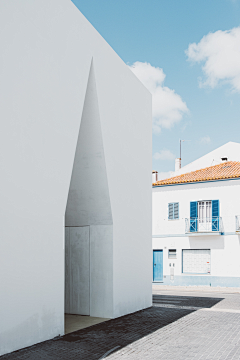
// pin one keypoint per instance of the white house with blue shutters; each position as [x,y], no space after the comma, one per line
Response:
[196,227]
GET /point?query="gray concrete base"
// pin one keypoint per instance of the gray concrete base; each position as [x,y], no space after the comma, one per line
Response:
[200,280]
[78,322]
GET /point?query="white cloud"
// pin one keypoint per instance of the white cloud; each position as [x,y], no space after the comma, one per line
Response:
[168,107]
[205,140]
[165,175]
[220,53]
[164,155]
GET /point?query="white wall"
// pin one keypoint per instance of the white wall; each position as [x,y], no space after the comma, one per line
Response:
[231,150]
[225,249]
[225,253]
[225,191]
[46,51]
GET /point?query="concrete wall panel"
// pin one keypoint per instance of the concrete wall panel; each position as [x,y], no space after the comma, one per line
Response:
[101,273]
[77,273]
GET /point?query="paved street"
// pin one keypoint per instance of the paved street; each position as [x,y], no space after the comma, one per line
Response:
[182,324]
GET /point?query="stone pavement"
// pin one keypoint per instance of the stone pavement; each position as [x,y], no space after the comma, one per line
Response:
[182,324]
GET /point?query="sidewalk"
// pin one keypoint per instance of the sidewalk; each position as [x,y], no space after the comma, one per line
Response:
[202,289]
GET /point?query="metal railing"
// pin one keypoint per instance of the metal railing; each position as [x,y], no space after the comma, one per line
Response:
[205,225]
[237,219]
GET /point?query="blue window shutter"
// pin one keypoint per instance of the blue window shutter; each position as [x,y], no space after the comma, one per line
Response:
[215,215]
[193,215]
[170,211]
[176,211]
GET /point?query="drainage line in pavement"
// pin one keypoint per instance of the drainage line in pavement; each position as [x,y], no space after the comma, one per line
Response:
[108,352]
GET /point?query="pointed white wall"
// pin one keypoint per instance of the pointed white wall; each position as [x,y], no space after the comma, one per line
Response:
[88,198]
[46,51]
[89,204]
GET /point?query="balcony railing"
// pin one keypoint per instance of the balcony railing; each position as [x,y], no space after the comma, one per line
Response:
[237,218]
[205,225]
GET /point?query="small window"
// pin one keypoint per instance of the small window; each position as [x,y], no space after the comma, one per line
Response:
[173,211]
[172,253]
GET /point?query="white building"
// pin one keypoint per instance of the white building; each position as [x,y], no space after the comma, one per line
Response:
[196,222]
[75,136]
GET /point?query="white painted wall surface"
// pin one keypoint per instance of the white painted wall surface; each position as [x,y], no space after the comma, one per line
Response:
[46,51]
[225,249]
[224,253]
[231,150]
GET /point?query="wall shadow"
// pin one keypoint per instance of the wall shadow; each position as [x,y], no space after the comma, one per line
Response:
[191,301]
[207,242]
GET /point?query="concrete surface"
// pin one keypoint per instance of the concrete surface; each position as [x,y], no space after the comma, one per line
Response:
[189,289]
[78,322]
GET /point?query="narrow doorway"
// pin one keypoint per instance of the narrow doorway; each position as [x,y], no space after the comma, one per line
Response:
[77,279]
[88,207]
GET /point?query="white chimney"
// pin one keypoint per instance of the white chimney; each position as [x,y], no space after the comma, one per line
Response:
[154,176]
[177,164]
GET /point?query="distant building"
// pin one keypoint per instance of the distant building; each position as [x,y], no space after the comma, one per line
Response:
[196,222]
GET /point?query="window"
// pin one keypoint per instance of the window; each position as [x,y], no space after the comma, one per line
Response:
[172,253]
[196,261]
[173,211]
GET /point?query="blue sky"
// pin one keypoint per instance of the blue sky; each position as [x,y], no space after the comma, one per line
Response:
[204,106]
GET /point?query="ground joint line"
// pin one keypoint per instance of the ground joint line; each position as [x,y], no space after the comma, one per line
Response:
[108,352]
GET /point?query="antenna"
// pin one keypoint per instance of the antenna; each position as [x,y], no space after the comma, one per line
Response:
[181,147]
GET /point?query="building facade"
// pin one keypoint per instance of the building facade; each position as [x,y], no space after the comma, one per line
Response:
[75,132]
[196,227]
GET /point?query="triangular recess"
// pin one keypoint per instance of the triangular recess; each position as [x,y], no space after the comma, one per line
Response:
[88,199]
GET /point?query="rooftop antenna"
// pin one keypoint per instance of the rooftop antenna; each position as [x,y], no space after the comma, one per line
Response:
[181,147]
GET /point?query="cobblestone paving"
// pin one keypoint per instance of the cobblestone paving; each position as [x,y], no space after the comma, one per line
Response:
[180,325]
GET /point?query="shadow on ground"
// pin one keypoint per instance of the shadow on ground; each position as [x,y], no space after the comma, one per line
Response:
[191,301]
[102,339]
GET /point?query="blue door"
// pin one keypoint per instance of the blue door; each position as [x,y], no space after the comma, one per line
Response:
[157,265]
